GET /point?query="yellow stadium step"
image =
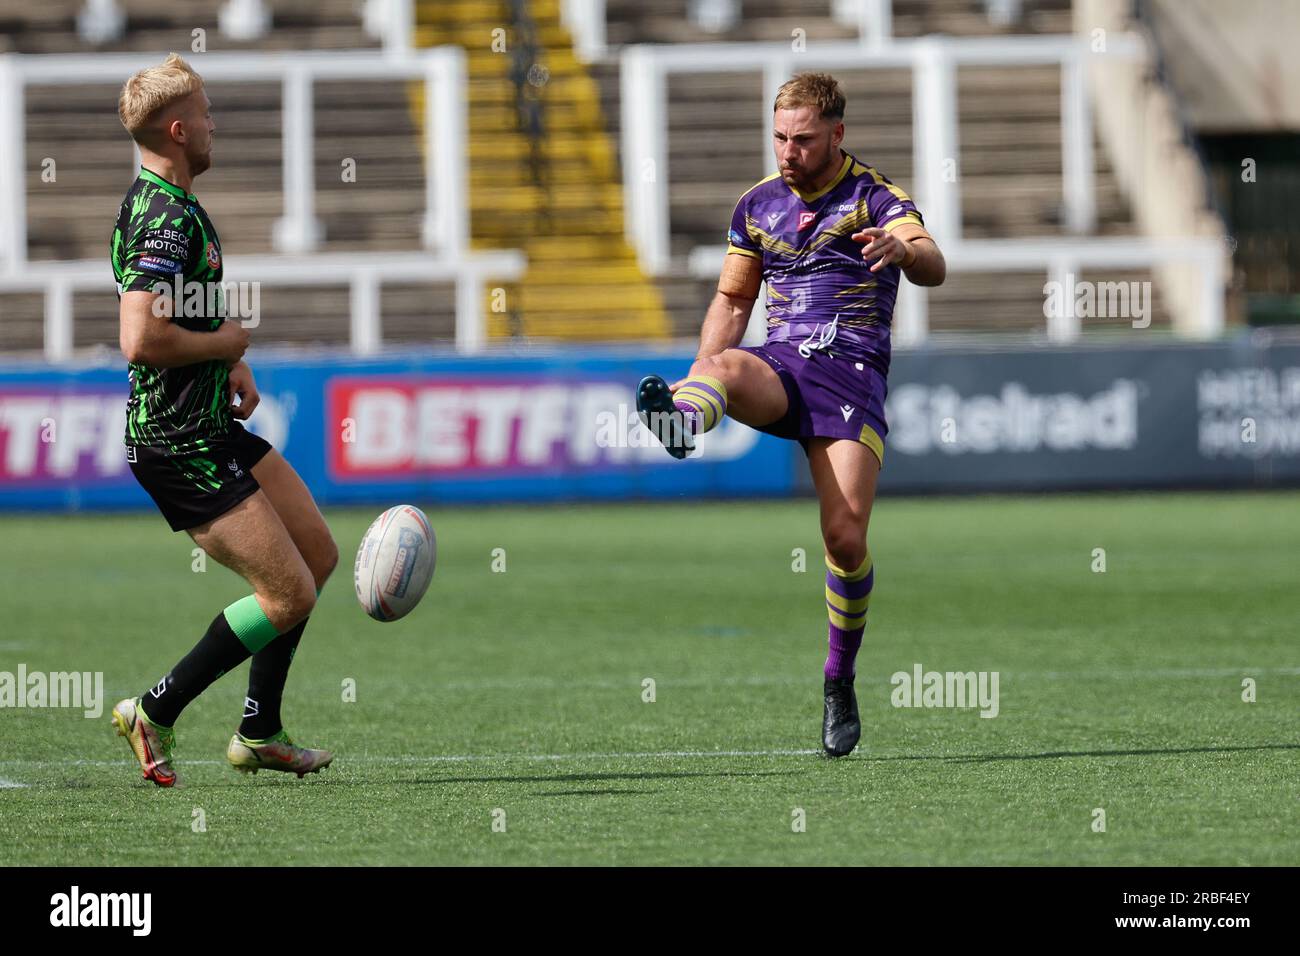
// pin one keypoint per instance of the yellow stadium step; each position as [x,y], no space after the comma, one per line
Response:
[570,118]
[548,250]
[617,325]
[615,273]
[559,198]
[484,91]
[575,297]
[507,230]
[583,280]
[516,149]
[484,35]
[503,175]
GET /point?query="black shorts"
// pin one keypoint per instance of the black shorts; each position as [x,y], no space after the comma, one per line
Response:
[193,488]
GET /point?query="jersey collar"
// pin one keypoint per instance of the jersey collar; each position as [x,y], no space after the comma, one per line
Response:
[163,184]
[812,197]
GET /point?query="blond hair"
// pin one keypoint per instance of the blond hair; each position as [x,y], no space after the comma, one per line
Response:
[149,92]
[820,90]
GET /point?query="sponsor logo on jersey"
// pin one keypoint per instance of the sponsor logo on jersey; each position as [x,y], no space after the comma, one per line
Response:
[893,210]
[806,219]
[214,256]
[158,264]
[773,218]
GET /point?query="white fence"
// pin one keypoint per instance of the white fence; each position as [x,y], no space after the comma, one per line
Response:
[445,229]
[1058,259]
[363,273]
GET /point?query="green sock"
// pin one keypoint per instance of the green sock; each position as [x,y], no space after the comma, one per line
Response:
[250,624]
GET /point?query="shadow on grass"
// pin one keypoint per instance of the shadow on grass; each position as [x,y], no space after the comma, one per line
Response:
[591,793]
[1054,754]
[594,777]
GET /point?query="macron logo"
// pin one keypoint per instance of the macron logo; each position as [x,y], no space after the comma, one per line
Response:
[847,411]
[103,909]
[773,218]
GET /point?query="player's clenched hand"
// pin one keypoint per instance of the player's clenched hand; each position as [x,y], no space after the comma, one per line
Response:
[231,341]
[882,245]
[243,387]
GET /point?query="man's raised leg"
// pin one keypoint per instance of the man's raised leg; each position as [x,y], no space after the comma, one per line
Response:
[844,473]
[733,382]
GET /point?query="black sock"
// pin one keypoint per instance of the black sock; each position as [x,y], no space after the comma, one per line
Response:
[266,677]
[218,651]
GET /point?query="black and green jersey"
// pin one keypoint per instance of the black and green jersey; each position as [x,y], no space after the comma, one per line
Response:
[164,241]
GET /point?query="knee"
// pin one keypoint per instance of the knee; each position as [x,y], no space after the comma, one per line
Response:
[295,603]
[846,545]
[713,365]
[324,561]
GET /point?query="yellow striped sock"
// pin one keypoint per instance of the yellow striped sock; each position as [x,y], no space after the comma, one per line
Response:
[704,399]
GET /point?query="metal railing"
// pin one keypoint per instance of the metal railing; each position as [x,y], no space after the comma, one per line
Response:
[644,70]
[445,226]
[936,182]
[1058,259]
[364,273]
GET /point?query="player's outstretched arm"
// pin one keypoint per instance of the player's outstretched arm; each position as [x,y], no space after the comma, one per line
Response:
[910,246]
[147,336]
[728,315]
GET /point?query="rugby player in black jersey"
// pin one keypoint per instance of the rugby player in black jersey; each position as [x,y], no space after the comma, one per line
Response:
[235,495]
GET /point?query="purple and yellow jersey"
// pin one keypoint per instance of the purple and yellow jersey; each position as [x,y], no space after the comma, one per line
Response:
[819,288]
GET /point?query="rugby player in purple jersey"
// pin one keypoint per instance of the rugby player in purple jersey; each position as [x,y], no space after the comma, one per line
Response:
[832,238]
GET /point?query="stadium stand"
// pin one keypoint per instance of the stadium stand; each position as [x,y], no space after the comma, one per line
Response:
[545,173]
[1009,133]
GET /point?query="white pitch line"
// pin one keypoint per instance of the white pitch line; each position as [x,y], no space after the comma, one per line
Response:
[10,784]
[458,758]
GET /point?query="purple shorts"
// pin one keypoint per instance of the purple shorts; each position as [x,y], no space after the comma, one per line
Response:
[838,396]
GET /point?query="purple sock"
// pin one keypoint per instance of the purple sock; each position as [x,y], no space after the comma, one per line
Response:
[847,595]
[703,400]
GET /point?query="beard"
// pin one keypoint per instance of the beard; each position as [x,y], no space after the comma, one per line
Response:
[200,162]
[806,180]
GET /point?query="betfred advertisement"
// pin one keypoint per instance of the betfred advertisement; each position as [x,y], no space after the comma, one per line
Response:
[394,426]
[562,428]
[428,429]
[49,438]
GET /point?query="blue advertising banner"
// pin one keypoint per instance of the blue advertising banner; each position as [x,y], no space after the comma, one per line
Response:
[430,428]
[561,425]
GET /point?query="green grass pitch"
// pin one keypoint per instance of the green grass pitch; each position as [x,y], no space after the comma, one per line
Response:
[517,697]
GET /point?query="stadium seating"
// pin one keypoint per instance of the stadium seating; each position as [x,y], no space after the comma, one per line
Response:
[1009,135]
[555,192]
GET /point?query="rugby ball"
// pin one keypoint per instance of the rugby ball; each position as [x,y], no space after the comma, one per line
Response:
[395,563]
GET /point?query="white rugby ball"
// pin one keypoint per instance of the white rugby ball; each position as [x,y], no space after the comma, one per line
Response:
[395,563]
